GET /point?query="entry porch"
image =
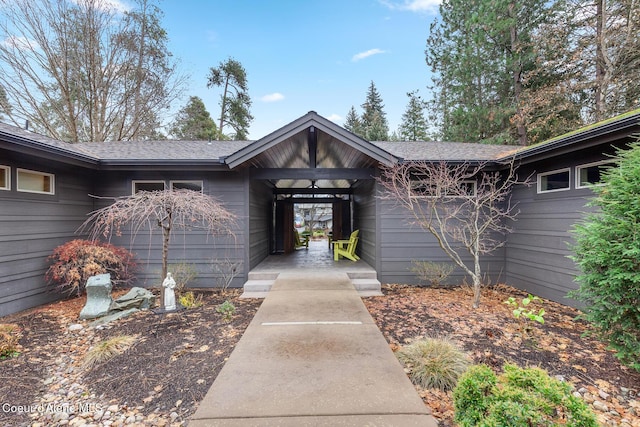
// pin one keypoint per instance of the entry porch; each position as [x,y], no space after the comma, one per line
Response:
[317,258]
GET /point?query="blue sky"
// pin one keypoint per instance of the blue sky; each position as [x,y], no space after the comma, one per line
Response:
[303,55]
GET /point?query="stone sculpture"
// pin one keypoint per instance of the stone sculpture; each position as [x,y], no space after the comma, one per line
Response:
[169,284]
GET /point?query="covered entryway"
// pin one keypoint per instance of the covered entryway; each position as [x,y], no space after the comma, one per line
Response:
[310,160]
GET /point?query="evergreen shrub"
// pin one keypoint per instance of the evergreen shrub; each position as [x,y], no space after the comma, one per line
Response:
[607,252]
[518,397]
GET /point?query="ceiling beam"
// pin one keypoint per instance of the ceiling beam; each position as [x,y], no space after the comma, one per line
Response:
[298,190]
[312,142]
[312,174]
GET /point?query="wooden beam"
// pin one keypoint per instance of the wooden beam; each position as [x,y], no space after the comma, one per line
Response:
[312,174]
[312,142]
[298,190]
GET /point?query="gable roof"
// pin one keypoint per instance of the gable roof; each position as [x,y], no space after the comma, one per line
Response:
[310,121]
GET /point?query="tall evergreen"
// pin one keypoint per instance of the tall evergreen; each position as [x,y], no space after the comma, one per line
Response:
[193,122]
[374,119]
[478,52]
[352,122]
[414,124]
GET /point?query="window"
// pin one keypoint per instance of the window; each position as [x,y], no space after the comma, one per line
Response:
[147,186]
[35,182]
[591,174]
[553,181]
[5,178]
[187,185]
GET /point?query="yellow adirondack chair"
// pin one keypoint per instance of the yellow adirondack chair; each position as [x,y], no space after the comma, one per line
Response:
[346,248]
[301,241]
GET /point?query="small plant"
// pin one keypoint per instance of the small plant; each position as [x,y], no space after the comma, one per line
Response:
[434,273]
[526,314]
[183,273]
[190,300]
[108,349]
[227,270]
[227,309]
[434,362]
[518,397]
[9,337]
[74,262]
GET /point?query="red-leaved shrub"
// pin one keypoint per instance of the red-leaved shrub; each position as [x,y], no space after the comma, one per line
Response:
[77,260]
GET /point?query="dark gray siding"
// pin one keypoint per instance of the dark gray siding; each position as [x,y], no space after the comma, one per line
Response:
[187,246]
[538,250]
[365,219]
[32,225]
[400,243]
[260,205]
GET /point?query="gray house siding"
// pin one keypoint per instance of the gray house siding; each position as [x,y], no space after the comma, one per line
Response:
[537,251]
[260,206]
[192,247]
[401,242]
[365,219]
[32,225]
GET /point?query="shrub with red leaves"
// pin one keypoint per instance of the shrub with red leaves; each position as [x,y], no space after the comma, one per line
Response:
[77,260]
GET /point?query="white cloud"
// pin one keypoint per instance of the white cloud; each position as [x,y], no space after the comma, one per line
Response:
[366,54]
[20,43]
[108,5]
[335,118]
[272,97]
[430,6]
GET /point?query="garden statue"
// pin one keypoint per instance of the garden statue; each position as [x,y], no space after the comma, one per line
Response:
[169,295]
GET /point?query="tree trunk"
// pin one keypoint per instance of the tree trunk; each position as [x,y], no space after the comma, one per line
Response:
[166,234]
[517,77]
[600,61]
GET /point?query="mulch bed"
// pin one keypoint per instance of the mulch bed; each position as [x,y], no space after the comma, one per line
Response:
[491,335]
[176,357]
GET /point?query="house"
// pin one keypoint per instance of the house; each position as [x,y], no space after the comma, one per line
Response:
[46,189]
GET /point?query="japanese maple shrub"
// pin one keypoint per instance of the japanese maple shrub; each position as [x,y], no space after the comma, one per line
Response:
[518,397]
[75,261]
[607,252]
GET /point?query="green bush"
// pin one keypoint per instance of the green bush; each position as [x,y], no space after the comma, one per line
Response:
[77,260]
[227,309]
[607,252]
[190,300]
[434,362]
[518,397]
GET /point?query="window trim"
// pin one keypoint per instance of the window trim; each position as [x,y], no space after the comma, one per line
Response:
[579,185]
[7,175]
[146,181]
[52,184]
[543,174]
[193,181]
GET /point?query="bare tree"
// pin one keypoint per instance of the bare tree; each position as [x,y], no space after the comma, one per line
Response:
[84,70]
[168,209]
[464,206]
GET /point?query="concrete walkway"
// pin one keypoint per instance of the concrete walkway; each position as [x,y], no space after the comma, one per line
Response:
[312,356]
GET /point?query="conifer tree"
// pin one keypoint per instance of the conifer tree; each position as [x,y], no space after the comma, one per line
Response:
[374,119]
[414,124]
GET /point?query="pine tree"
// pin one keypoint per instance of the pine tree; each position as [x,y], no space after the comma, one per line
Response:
[414,124]
[374,119]
[235,103]
[193,122]
[352,122]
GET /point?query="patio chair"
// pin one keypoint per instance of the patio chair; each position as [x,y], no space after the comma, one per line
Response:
[346,248]
[301,241]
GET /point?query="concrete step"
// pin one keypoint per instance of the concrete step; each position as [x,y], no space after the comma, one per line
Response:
[362,275]
[367,287]
[258,285]
[263,275]
[246,294]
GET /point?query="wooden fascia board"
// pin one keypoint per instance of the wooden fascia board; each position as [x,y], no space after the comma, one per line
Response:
[46,151]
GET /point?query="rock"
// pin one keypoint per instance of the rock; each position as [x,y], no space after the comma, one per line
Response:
[137,297]
[98,297]
[113,408]
[600,406]
[603,395]
[76,327]
[173,416]
[111,317]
